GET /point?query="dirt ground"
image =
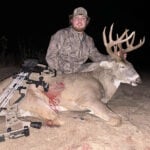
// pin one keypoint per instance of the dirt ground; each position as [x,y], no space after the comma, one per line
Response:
[83,131]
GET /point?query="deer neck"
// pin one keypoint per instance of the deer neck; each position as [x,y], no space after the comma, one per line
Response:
[108,81]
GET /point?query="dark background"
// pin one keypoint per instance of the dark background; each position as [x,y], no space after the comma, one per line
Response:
[28,26]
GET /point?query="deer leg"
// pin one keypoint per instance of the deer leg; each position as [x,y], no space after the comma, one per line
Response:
[100,110]
[37,103]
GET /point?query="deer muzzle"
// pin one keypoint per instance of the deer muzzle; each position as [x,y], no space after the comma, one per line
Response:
[136,81]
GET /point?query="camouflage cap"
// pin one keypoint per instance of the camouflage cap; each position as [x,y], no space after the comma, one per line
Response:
[80,11]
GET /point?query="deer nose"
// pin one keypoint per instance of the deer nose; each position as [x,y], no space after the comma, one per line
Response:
[138,80]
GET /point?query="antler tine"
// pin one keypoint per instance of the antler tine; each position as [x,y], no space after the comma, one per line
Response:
[130,46]
[132,40]
[110,33]
[104,36]
[119,44]
[110,43]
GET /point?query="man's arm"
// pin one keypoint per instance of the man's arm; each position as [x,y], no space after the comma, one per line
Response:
[53,50]
[95,55]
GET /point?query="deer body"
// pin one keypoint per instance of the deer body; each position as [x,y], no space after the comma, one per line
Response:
[84,91]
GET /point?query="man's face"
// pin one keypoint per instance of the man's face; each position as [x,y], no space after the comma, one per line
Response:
[79,23]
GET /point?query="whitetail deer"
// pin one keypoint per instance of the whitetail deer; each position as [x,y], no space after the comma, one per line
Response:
[86,90]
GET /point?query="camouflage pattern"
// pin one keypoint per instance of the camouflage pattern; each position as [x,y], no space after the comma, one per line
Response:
[69,50]
[80,11]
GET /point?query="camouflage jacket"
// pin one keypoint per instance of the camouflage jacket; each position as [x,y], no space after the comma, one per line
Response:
[68,50]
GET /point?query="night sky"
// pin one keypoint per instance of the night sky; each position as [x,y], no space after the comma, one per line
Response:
[37,21]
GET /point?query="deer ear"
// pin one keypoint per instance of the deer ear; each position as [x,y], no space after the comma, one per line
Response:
[106,64]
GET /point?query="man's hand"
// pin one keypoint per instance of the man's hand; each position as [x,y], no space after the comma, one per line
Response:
[122,54]
[52,72]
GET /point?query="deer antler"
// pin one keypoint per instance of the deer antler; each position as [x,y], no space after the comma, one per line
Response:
[114,46]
